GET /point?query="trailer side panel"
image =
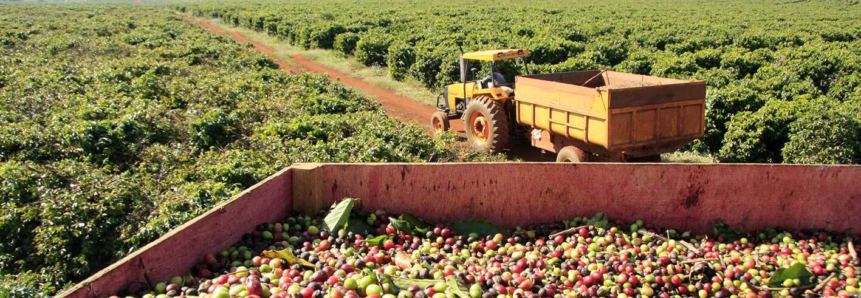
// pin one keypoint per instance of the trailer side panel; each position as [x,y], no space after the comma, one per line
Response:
[177,251]
[681,196]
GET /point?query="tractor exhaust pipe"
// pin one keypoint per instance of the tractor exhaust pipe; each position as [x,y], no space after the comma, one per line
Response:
[463,71]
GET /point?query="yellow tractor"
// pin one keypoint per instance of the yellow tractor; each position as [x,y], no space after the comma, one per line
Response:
[484,104]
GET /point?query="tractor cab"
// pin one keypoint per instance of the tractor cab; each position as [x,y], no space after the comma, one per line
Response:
[484,103]
[455,97]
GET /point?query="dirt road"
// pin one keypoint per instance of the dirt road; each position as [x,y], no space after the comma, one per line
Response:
[395,105]
[241,38]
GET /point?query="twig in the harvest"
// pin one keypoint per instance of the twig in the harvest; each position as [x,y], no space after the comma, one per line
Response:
[816,287]
[752,287]
[683,242]
[804,287]
[568,231]
[699,260]
[757,258]
[691,247]
[852,250]
[659,236]
[824,281]
[610,253]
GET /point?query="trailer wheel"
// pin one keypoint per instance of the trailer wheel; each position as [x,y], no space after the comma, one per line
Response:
[572,154]
[440,123]
[486,124]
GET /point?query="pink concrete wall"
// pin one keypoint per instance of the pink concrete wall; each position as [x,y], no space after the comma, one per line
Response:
[682,196]
[176,252]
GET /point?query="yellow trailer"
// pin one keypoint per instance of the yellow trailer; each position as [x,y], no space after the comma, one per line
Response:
[581,115]
[617,116]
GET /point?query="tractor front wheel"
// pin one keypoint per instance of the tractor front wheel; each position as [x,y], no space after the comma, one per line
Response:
[486,124]
[439,123]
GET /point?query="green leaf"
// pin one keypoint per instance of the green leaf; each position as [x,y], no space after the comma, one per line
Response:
[416,223]
[338,216]
[410,224]
[358,226]
[481,227]
[599,221]
[288,256]
[401,225]
[404,283]
[797,271]
[378,241]
[384,279]
[721,228]
[456,287]
[427,266]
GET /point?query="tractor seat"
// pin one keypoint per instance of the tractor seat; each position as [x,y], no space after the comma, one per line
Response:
[484,84]
[481,84]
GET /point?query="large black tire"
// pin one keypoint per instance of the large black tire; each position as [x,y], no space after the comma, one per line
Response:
[440,123]
[572,154]
[486,124]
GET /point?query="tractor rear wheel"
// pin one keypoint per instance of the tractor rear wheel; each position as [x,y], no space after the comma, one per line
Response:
[486,124]
[440,123]
[572,154]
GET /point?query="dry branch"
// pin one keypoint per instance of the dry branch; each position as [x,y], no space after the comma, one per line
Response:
[568,231]
[685,243]
[824,281]
[816,287]
[699,260]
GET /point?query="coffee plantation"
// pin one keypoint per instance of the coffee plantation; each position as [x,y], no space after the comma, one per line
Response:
[800,53]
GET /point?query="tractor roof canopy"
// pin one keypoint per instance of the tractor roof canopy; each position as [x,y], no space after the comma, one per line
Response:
[496,55]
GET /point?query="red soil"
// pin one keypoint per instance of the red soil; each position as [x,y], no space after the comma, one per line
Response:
[394,104]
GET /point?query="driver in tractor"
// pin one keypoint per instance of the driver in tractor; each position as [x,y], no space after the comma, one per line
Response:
[483,104]
[497,79]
